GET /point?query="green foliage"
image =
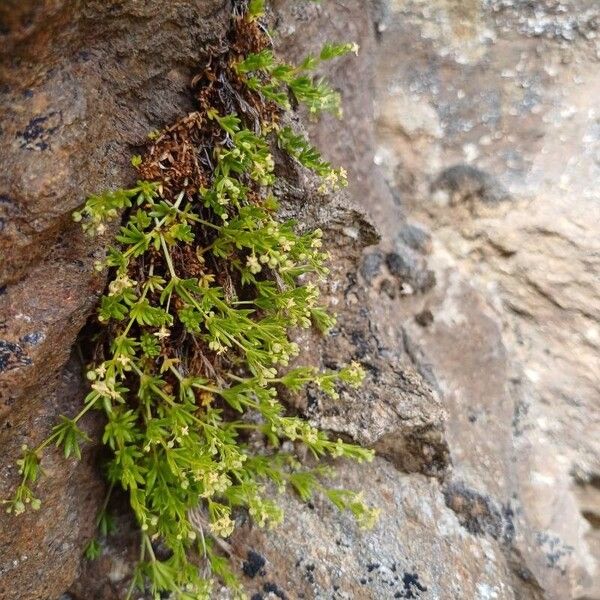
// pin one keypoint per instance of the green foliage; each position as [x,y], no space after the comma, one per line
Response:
[307,155]
[205,289]
[92,550]
[99,210]
[69,436]
[277,81]
[256,8]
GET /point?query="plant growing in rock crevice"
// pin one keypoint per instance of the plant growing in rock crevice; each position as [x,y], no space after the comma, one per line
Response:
[206,285]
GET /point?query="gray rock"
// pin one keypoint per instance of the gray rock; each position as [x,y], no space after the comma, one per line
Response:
[416,237]
[410,268]
[465,183]
[514,86]
[419,549]
[371,265]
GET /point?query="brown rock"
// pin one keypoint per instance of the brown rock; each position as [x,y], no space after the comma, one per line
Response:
[81,86]
[40,550]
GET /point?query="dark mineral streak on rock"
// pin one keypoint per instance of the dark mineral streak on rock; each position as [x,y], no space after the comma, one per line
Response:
[12,356]
[415,236]
[478,512]
[253,564]
[465,183]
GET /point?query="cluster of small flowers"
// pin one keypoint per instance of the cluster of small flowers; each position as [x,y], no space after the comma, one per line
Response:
[229,190]
[23,497]
[95,224]
[121,283]
[253,264]
[312,254]
[183,432]
[262,171]
[100,209]
[312,294]
[106,389]
[366,516]
[353,374]
[264,514]
[122,362]
[296,429]
[274,257]
[162,333]
[213,483]
[265,373]
[98,372]
[216,346]
[337,451]
[222,527]
[19,506]
[280,354]
[334,180]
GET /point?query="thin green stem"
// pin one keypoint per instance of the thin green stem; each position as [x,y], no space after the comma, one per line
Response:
[105,503]
[167,256]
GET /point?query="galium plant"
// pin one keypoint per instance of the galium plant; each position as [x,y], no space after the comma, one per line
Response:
[194,341]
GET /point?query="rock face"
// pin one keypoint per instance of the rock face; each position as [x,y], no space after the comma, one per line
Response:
[507,91]
[479,339]
[80,86]
[420,549]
